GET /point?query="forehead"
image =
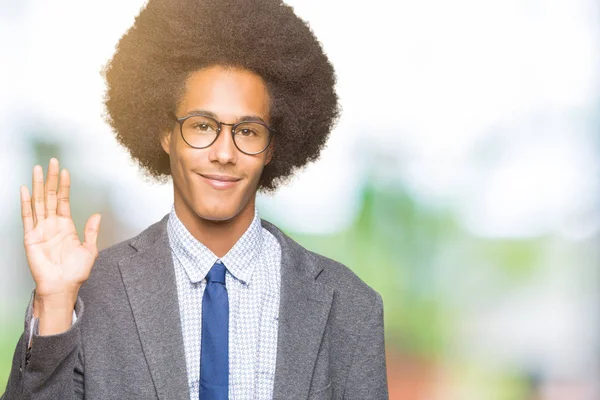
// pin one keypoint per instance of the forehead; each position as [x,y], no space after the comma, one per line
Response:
[229,93]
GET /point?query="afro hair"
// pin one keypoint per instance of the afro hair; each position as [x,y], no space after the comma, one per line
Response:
[170,39]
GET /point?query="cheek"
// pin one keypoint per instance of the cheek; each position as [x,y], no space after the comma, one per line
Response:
[182,168]
[185,156]
[255,168]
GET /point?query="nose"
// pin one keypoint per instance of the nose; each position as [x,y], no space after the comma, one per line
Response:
[223,150]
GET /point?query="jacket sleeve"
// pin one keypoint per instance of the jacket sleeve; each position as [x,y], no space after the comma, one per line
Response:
[52,368]
[367,378]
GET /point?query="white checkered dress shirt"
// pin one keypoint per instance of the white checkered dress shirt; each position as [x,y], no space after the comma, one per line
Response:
[253,282]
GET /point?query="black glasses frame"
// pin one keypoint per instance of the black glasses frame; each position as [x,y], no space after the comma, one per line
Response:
[181,121]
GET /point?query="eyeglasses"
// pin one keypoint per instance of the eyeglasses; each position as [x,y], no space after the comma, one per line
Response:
[200,131]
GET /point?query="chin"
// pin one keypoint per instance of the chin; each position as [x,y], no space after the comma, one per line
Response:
[218,213]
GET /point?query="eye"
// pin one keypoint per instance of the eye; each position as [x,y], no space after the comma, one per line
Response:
[247,132]
[201,127]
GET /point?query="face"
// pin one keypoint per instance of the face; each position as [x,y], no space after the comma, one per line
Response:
[218,183]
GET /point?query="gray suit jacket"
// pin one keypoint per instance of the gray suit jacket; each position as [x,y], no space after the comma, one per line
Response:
[127,342]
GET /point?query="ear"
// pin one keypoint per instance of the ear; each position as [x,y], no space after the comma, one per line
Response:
[165,142]
[270,151]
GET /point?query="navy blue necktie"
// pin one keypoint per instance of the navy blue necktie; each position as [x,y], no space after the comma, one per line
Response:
[214,353]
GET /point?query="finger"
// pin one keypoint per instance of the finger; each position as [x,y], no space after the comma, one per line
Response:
[90,233]
[26,212]
[51,183]
[38,194]
[64,188]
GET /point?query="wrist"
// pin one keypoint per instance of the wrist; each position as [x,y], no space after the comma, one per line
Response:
[54,313]
[55,302]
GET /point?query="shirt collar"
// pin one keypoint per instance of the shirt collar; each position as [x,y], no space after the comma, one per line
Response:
[197,259]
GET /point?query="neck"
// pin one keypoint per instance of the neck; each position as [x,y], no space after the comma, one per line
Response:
[218,236]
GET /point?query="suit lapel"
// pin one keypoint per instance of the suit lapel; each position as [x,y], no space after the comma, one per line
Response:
[149,280]
[303,312]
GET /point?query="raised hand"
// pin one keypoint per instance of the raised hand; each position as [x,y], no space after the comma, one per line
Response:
[58,261]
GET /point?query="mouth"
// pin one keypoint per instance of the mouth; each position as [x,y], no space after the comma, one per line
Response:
[220,182]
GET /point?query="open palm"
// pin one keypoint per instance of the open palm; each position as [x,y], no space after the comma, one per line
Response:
[58,261]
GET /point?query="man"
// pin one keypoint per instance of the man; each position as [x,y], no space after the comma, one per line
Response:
[227,98]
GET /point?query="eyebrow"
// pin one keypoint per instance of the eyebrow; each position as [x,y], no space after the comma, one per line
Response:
[245,118]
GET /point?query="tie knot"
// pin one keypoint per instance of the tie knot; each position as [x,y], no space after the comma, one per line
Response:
[216,273]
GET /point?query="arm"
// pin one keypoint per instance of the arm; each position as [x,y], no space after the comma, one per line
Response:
[367,378]
[50,364]
[51,368]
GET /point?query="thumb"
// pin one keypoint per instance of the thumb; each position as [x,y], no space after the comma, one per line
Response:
[90,233]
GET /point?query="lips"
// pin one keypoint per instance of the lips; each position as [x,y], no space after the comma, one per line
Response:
[220,182]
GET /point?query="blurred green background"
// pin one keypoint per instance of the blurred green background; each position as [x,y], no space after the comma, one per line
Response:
[462,181]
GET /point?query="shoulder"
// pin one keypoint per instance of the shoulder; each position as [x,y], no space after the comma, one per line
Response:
[350,290]
[341,277]
[347,286]
[109,258]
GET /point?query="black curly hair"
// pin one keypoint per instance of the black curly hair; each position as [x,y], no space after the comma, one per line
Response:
[170,39]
